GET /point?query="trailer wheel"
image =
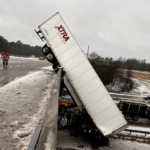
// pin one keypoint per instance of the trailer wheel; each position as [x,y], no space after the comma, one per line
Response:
[45,50]
[127,116]
[50,57]
[136,118]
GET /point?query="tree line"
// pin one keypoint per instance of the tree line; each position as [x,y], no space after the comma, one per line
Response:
[123,63]
[19,49]
[107,68]
[110,70]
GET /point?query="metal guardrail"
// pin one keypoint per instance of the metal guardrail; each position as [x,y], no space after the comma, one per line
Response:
[36,135]
[137,131]
[126,93]
[45,135]
[133,136]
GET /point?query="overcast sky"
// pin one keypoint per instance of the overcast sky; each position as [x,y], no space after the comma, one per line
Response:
[112,28]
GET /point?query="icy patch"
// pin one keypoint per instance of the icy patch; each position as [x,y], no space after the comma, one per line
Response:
[15,123]
[49,68]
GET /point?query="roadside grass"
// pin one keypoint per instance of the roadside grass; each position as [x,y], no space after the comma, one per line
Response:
[137,74]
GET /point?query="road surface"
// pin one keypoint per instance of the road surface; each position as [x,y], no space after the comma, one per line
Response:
[67,142]
[19,67]
[23,103]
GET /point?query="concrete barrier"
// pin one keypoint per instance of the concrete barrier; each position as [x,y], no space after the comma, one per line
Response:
[48,137]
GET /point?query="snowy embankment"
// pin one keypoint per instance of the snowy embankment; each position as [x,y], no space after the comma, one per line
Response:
[23,103]
[142,87]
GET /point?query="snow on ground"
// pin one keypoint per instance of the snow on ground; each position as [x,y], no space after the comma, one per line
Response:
[139,128]
[143,86]
[142,89]
[146,129]
[24,57]
[23,103]
[67,142]
[49,68]
[116,87]
[14,59]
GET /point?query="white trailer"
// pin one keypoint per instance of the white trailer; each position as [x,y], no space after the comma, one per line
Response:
[83,78]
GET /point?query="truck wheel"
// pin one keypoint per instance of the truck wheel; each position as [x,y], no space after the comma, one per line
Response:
[45,50]
[50,57]
[136,118]
[127,116]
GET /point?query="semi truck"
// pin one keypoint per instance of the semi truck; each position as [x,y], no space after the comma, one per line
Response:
[134,110]
[79,77]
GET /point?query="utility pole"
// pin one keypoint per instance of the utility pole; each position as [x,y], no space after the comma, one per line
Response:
[87,51]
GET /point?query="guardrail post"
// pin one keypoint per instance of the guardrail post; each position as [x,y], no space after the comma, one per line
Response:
[48,137]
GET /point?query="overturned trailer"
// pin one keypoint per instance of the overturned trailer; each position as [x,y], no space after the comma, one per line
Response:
[80,78]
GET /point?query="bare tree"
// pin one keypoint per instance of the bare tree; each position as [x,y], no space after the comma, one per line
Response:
[93,55]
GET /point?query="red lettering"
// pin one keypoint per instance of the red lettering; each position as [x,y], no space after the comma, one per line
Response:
[63,32]
[59,27]
[66,38]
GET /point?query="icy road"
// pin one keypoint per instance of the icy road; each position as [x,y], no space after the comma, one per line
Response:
[23,102]
[19,66]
